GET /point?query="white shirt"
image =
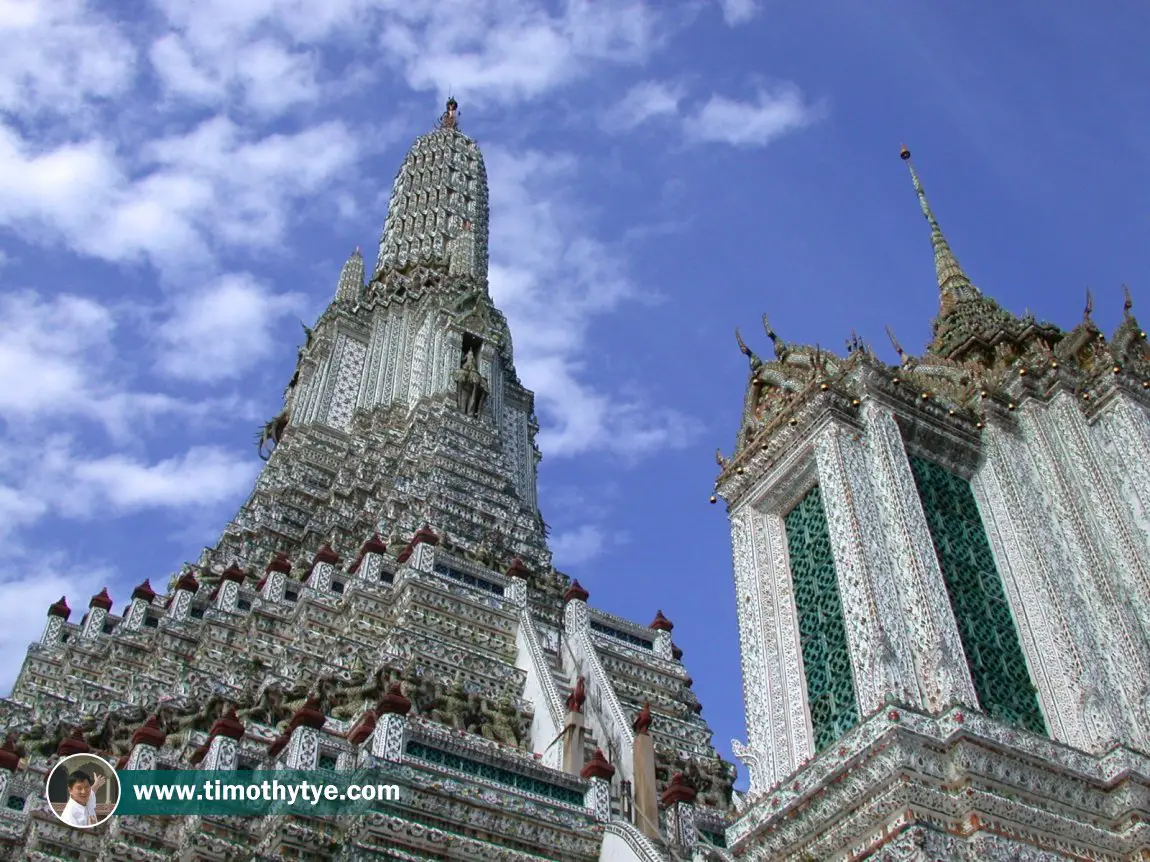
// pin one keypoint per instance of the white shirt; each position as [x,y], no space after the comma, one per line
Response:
[76,814]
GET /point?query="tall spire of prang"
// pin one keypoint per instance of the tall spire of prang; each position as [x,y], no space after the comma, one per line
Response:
[953,282]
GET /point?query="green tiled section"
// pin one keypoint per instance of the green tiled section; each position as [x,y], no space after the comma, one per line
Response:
[985,624]
[494,774]
[826,658]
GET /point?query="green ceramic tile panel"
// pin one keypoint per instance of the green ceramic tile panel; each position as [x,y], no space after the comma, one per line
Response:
[822,630]
[985,623]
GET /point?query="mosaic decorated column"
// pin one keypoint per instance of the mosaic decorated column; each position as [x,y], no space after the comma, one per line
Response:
[98,609]
[142,598]
[943,676]
[1123,443]
[322,569]
[58,614]
[146,741]
[271,586]
[1105,565]
[389,736]
[662,628]
[645,788]
[10,762]
[223,743]
[180,604]
[228,591]
[598,773]
[303,744]
[574,734]
[678,799]
[774,693]
[369,564]
[1044,590]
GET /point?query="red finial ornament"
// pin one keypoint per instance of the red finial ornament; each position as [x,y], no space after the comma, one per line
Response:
[661,623]
[576,592]
[423,535]
[229,725]
[188,582]
[676,653]
[101,600]
[325,554]
[363,728]
[144,591]
[577,697]
[679,790]
[279,563]
[374,545]
[517,569]
[233,573]
[597,767]
[60,609]
[9,756]
[74,743]
[278,744]
[642,721]
[149,733]
[394,703]
[308,715]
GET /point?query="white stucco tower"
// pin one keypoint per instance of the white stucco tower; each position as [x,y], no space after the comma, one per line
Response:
[942,571]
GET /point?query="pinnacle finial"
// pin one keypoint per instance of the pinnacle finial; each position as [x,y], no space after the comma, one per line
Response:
[1128,302]
[1088,309]
[746,351]
[951,277]
[894,343]
[450,117]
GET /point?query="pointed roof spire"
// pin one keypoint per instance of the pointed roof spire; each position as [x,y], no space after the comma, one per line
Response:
[351,278]
[450,117]
[952,280]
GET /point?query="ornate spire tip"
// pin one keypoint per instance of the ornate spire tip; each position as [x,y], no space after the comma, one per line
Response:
[904,153]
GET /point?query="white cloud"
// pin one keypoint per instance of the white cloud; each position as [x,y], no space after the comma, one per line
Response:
[646,101]
[553,278]
[58,57]
[52,476]
[58,363]
[511,50]
[216,185]
[581,545]
[221,331]
[772,113]
[737,12]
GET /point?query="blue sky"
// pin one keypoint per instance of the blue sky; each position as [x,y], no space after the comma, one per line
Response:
[180,183]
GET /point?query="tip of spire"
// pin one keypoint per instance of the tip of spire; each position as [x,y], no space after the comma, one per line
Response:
[904,153]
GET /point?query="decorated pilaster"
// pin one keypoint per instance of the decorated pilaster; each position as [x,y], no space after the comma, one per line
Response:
[942,675]
[389,735]
[58,613]
[180,603]
[598,773]
[322,569]
[228,591]
[142,597]
[369,563]
[146,742]
[303,730]
[275,577]
[679,802]
[574,734]
[662,628]
[9,763]
[1040,576]
[774,693]
[223,742]
[645,789]
[99,607]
